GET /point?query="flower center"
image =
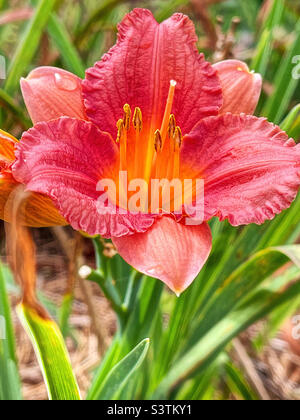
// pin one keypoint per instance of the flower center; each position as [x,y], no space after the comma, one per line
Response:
[148,153]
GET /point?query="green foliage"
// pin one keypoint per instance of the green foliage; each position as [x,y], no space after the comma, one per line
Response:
[29,44]
[187,355]
[111,387]
[10,387]
[52,354]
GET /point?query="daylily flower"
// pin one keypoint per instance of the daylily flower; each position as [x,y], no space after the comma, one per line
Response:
[154,107]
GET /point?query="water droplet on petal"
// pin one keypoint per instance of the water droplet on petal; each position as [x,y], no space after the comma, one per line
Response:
[65,82]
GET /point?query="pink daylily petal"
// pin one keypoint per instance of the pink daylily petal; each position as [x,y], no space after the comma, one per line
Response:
[138,70]
[65,159]
[50,93]
[249,166]
[169,251]
[241,88]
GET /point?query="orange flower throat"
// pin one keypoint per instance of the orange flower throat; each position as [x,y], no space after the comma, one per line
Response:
[147,152]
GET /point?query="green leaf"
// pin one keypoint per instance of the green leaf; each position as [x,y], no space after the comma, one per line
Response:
[64,314]
[120,374]
[104,8]
[29,44]
[8,102]
[221,321]
[290,120]
[52,354]
[285,84]
[280,315]
[69,54]
[237,383]
[5,312]
[140,324]
[264,48]
[241,283]
[61,38]
[204,385]
[10,387]
[168,8]
[207,348]
[249,12]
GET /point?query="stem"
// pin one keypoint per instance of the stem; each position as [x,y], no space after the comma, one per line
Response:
[110,293]
[126,303]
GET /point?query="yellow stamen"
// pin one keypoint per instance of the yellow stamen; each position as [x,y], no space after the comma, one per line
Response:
[150,155]
[127,116]
[157,141]
[120,127]
[138,125]
[172,126]
[137,120]
[177,144]
[159,155]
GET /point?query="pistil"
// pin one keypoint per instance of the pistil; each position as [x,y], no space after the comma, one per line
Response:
[168,109]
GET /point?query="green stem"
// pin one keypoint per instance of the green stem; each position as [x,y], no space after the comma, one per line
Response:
[128,296]
[98,247]
[110,293]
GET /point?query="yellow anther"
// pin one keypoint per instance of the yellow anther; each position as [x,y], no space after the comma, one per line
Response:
[158,141]
[177,138]
[137,119]
[120,127]
[127,116]
[172,126]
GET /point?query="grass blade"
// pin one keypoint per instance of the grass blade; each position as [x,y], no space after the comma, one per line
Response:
[210,346]
[238,384]
[104,8]
[241,282]
[264,48]
[7,101]
[285,84]
[29,44]
[120,374]
[51,353]
[62,40]
[290,120]
[10,387]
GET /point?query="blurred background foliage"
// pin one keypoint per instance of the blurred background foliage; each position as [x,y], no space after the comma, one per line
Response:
[229,336]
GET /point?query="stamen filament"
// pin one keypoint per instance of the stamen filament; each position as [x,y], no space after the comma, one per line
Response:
[176,201]
[122,140]
[123,126]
